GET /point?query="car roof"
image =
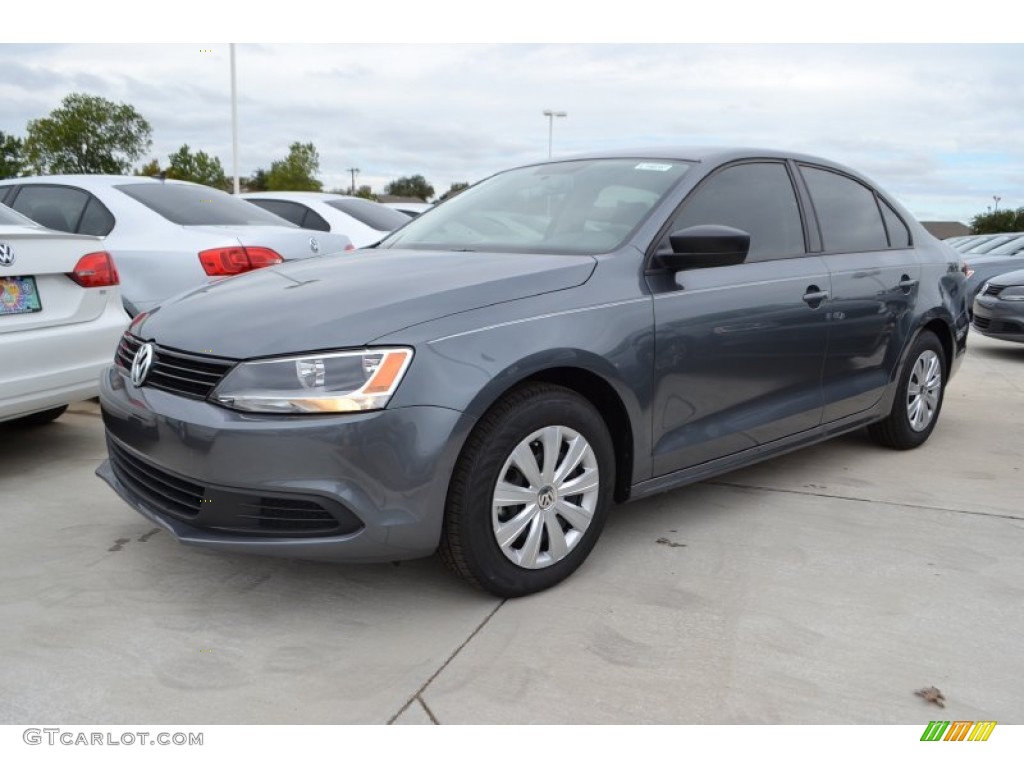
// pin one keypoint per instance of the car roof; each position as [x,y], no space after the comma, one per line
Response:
[697,154]
[708,155]
[92,180]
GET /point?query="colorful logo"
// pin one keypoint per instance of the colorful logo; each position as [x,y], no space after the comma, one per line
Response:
[958,730]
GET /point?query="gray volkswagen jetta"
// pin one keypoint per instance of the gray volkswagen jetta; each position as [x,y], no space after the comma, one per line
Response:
[488,379]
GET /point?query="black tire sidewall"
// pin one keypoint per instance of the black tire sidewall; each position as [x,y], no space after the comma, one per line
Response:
[906,434]
[484,558]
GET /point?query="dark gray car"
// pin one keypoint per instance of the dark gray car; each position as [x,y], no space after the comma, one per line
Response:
[999,307]
[494,374]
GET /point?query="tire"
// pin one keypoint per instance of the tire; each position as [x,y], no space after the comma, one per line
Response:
[510,527]
[920,391]
[38,419]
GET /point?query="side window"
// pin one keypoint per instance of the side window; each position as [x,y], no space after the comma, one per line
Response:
[313,220]
[899,235]
[286,209]
[847,212]
[5,193]
[97,220]
[54,207]
[757,198]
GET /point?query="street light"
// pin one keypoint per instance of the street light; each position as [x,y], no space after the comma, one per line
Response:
[997,198]
[551,115]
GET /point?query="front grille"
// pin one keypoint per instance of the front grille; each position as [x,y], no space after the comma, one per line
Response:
[993,290]
[981,323]
[216,508]
[175,496]
[182,373]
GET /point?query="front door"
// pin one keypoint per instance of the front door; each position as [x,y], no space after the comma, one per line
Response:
[739,349]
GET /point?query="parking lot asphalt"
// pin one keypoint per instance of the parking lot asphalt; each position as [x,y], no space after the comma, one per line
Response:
[825,586]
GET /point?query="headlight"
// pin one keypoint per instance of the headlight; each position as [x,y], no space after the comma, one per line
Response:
[335,382]
[1013,293]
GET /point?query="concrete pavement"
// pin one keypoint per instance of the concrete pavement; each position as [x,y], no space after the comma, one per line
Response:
[822,587]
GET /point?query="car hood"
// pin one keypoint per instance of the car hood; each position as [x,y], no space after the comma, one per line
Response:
[348,301]
[1009,278]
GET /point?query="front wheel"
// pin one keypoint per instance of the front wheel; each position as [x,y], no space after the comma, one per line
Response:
[921,387]
[530,492]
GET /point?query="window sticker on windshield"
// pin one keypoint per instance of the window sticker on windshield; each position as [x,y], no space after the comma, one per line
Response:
[653,167]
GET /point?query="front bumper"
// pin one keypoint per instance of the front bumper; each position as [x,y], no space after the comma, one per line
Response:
[999,319]
[353,487]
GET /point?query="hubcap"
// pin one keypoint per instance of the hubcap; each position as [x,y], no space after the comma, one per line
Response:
[545,497]
[923,390]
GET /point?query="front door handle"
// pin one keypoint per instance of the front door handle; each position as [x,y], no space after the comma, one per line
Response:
[814,296]
[906,284]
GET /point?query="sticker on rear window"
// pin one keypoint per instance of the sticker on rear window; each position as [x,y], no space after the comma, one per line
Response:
[653,167]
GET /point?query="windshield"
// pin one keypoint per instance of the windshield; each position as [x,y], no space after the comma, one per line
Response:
[989,244]
[194,204]
[571,207]
[1009,248]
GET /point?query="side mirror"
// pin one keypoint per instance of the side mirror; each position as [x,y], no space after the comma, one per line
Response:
[706,245]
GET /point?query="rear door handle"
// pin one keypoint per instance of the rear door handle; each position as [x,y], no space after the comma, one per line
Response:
[814,296]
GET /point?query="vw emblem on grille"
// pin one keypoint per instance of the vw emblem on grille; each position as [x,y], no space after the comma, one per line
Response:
[314,245]
[6,255]
[140,365]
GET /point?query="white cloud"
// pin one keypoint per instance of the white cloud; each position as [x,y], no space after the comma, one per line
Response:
[937,125]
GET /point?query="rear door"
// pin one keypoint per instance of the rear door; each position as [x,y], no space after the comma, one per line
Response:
[739,349]
[875,280]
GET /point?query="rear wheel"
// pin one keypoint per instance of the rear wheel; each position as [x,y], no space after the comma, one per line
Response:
[921,387]
[40,418]
[530,492]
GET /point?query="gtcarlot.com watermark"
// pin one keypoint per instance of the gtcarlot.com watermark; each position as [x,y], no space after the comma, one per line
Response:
[55,736]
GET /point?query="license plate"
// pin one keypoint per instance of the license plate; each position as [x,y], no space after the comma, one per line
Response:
[18,296]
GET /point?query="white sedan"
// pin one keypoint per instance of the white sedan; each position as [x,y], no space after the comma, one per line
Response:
[60,319]
[364,221]
[168,236]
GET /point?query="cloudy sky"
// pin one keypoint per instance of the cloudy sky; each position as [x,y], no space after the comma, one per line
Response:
[941,126]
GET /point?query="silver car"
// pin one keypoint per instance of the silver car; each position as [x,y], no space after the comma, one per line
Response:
[167,236]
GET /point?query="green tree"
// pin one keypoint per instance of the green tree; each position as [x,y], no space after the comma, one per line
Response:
[200,168]
[454,189]
[297,171]
[1006,220]
[152,168]
[12,157]
[365,192]
[87,134]
[410,186]
[255,183]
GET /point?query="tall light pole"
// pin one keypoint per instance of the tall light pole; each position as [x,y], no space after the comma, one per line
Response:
[353,171]
[997,198]
[234,122]
[551,115]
